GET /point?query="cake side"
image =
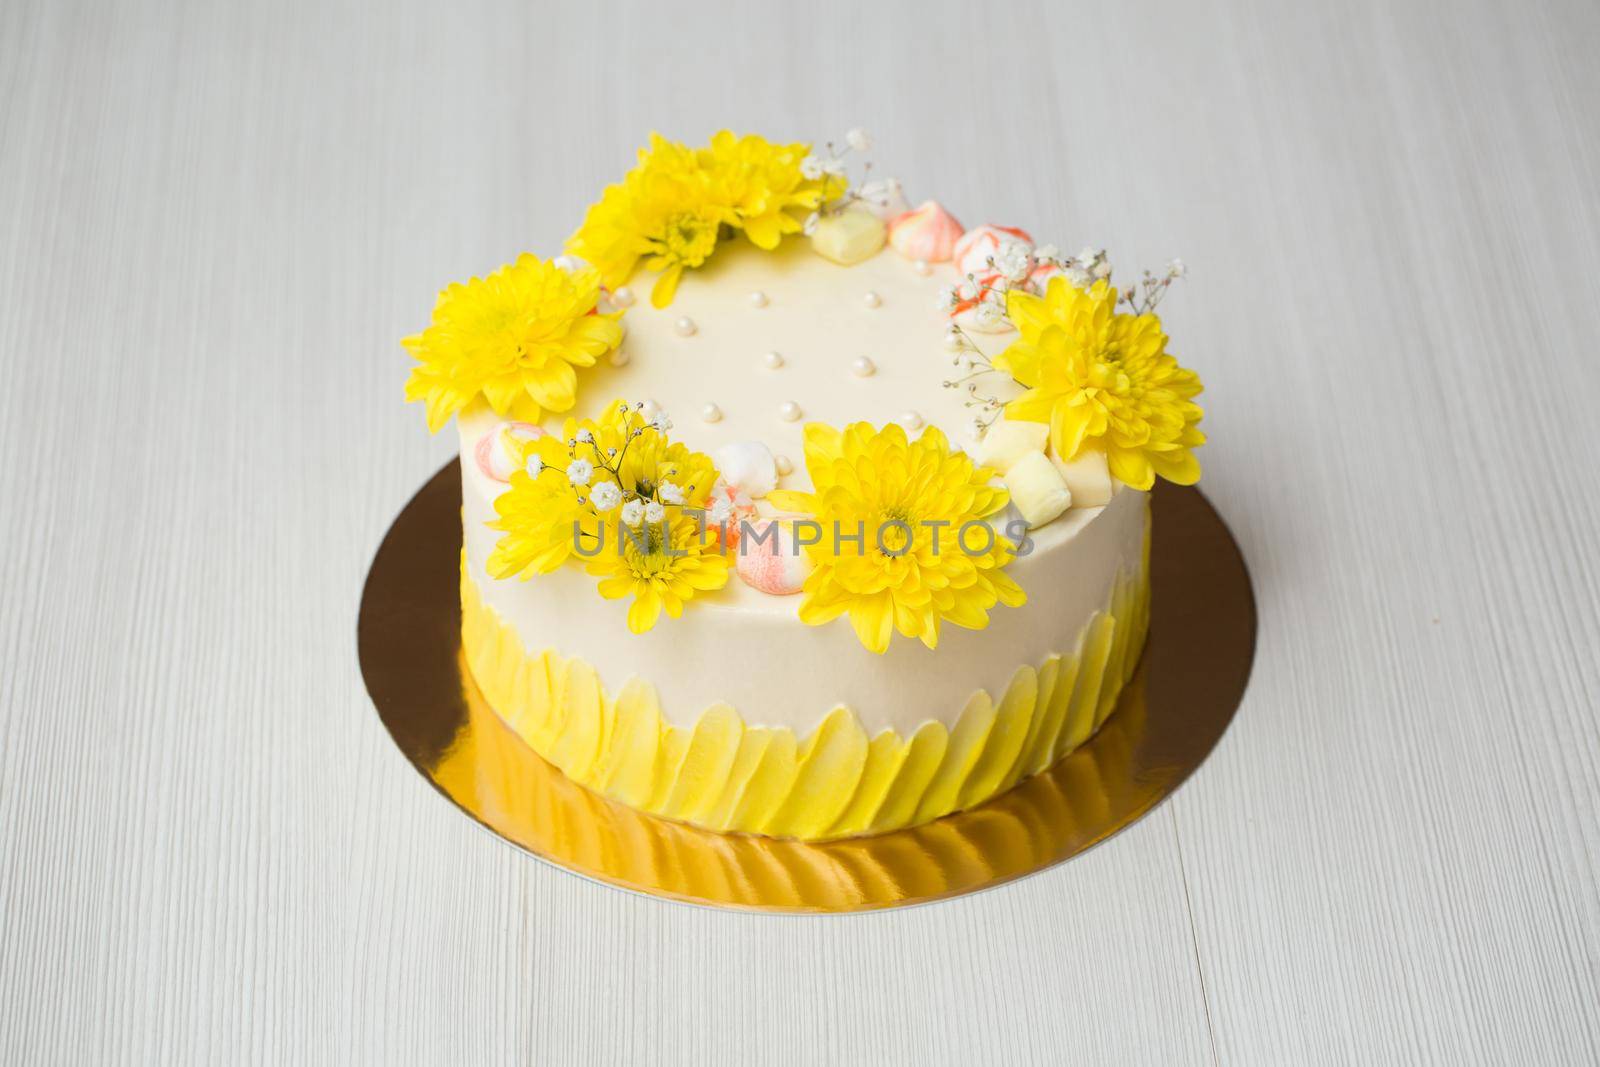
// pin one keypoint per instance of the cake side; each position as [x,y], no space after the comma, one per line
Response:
[837,779]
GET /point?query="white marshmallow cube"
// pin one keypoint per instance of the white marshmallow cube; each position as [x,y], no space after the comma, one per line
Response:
[1037,489]
[1007,441]
[1087,475]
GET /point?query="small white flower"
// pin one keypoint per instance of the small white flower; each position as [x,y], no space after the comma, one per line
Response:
[622,407]
[661,424]
[1047,252]
[606,496]
[968,290]
[1014,260]
[633,512]
[947,297]
[1177,269]
[1087,257]
[654,512]
[579,471]
[811,168]
[858,139]
[670,493]
[835,168]
[1077,276]
[987,315]
[721,511]
[533,466]
[1102,269]
[586,437]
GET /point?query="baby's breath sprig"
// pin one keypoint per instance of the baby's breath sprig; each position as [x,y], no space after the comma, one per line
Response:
[972,367]
[834,167]
[588,461]
[1143,298]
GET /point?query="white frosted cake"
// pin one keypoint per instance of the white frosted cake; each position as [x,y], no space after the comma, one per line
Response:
[886,558]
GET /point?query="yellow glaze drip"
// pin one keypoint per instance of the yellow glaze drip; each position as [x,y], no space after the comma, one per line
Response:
[726,775]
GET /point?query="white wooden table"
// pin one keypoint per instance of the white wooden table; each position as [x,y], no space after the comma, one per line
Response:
[219,218]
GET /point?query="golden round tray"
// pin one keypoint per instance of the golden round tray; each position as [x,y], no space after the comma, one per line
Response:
[1191,678]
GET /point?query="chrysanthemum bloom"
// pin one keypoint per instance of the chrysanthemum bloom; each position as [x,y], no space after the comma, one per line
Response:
[546,519]
[661,565]
[1103,380]
[926,555]
[670,210]
[664,212]
[763,185]
[515,338]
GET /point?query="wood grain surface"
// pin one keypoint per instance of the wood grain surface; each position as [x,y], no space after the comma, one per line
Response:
[216,220]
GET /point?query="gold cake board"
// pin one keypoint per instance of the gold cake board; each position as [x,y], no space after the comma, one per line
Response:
[1189,683]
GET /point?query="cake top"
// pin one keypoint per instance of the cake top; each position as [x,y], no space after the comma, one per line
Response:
[836,361]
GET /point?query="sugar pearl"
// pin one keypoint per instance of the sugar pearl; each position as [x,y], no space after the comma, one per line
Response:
[783,464]
[758,298]
[872,300]
[789,411]
[862,367]
[910,420]
[620,358]
[622,296]
[711,413]
[921,267]
[773,359]
[685,327]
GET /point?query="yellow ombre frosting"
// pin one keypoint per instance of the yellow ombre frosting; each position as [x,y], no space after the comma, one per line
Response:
[722,773]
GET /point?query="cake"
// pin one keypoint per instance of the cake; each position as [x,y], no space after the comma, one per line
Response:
[791,509]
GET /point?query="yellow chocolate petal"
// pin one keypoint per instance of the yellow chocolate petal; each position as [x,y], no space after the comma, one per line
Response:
[966,745]
[712,750]
[829,770]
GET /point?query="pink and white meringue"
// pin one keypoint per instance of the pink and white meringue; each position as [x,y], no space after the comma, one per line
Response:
[973,249]
[927,233]
[749,466]
[725,510]
[498,452]
[770,561]
[1039,277]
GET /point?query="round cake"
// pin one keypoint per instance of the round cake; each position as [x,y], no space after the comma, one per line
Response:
[791,509]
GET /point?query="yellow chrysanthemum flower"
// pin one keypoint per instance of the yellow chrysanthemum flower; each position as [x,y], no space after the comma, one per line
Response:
[1103,380]
[671,209]
[665,212]
[514,337]
[661,565]
[577,492]
[926,554]
[763,184]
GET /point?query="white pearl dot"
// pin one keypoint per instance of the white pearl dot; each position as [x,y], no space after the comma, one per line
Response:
[622,296]
[620,358]
[758,298]
[862,367]
[783,464]
[872,300]
[789,411]
[685,327]
[773,359]
[910,420]
[711,413]
[921,267]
